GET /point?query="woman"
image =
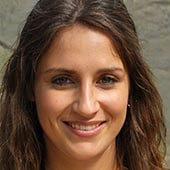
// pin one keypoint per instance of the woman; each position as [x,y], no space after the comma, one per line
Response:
[77,94]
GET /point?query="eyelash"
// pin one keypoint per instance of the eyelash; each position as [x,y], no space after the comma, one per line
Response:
[107,81]
[63,81]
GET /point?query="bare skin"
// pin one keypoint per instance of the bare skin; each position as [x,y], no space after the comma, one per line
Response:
[81,94]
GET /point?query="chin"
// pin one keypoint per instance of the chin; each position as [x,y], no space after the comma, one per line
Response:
[86,151]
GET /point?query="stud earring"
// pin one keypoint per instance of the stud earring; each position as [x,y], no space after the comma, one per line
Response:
[128,105]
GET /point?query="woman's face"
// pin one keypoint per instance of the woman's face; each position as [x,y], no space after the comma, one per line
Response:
[81,94]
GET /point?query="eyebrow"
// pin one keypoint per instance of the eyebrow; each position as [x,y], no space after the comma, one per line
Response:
[112,69]
[71,71]
[60,70]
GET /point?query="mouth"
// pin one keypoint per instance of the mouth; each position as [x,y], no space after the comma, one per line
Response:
[85,129]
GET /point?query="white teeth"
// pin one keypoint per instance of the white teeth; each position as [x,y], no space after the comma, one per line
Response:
[83,127]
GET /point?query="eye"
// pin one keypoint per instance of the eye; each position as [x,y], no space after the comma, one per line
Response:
[62,81]
[107,81]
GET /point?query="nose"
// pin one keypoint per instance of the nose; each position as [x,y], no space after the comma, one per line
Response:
[86,103]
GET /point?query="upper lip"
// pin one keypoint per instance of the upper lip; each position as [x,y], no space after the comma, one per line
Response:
[85,123]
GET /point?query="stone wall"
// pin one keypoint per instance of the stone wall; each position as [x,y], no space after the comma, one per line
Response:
[152,18]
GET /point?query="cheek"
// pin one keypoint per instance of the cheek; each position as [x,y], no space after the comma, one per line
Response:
[116,104]
[49,103]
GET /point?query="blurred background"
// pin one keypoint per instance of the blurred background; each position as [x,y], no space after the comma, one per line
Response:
[152,20]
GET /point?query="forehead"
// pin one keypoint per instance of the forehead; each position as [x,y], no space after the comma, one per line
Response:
[79,44]
[81,33]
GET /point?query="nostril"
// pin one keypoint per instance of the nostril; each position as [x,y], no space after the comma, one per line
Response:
[85,108]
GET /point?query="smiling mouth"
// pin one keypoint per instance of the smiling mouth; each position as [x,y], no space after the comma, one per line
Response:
[84,127]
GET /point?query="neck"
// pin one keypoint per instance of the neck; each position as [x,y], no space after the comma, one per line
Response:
[106,161]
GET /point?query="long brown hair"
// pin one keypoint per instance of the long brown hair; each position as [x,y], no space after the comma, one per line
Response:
[140,144]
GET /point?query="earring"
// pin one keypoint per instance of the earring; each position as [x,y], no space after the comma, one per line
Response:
[128,105]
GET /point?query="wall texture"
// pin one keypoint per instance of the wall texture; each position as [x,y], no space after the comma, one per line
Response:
[152,18]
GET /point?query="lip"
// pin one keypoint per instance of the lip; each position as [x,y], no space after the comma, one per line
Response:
[85,129]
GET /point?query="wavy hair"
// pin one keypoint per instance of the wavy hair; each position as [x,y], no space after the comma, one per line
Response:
[140,145]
